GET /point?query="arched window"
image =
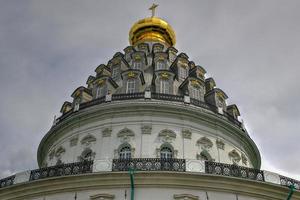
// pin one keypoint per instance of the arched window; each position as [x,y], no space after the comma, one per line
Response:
[137,65]
[87,155]
[166,153]
[125,152]
[115,72]
[196,93]
[101,91]
[160,65]
[183,72]
[164,86]
[131,85]
[204,156]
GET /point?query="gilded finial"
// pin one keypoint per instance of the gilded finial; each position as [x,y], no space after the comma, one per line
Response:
[152,8]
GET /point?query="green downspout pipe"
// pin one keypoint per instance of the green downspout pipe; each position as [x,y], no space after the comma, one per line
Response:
[131,173]
[292,189]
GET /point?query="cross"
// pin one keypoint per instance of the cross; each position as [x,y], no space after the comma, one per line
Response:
[152,8]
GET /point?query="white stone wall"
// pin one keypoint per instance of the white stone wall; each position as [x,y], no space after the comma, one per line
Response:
[145,145]
[149,194]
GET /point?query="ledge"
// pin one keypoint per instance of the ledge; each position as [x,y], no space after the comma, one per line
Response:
[147,166]
[177,180]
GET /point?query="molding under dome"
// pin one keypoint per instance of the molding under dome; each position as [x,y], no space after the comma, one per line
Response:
[113,181]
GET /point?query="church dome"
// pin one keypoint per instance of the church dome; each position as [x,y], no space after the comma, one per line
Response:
[152,112]
[152,29]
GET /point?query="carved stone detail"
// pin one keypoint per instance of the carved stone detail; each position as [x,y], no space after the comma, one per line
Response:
[125,135]
[125,132]
[167,135]
[88,140]
[204,155]
[106,132]
[205,143]
[116,153]
[244,159]
[220,144]
[234,156]
[59,151]
[185,197]
[51,154]
[74,141]
[146,129]
[87,154]
[102,197]
[187,134]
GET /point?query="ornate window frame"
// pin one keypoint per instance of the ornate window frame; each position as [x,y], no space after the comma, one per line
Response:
[115,72]
[164,86]
[137,64]
[160,65]
[166,151]
[169,146]
[183,72]
[101,91]
[131,84]
[125,145]
[196,93]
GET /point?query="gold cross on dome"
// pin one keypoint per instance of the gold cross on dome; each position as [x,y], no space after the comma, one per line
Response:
[152,8]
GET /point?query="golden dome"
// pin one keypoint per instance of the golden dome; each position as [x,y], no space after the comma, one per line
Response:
[152,29]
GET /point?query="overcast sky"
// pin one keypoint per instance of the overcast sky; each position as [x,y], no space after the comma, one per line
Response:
[251,49]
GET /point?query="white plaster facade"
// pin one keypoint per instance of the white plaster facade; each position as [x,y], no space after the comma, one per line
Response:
[188,142]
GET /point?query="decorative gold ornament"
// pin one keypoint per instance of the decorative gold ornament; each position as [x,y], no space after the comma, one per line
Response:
[77,93]
[100,82]
[161,58]
[164,75]
[200,74]
[137,57]
[152,29]
[195,83]
[131,75]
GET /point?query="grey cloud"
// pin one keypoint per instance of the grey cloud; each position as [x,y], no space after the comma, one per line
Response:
[48,48]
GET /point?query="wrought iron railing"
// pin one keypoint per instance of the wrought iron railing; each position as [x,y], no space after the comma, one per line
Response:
[149,164]
[62,170]
[285,181]
[233,170]
[93,102]
[127,96]
[7,181]
[199,103]
[158,96]
[168,97]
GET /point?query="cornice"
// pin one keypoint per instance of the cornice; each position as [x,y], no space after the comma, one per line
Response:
[111,180]
[133,107]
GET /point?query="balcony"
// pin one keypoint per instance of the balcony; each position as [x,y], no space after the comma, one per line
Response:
[156,96]
[149,164]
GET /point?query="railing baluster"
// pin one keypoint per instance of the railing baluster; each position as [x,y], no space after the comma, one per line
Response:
[149,164]
[233,170]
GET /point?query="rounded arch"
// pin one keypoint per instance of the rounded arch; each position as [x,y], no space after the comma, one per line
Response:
[204,156]
[125,151]
[205,143]
[166,151]
[87,155]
